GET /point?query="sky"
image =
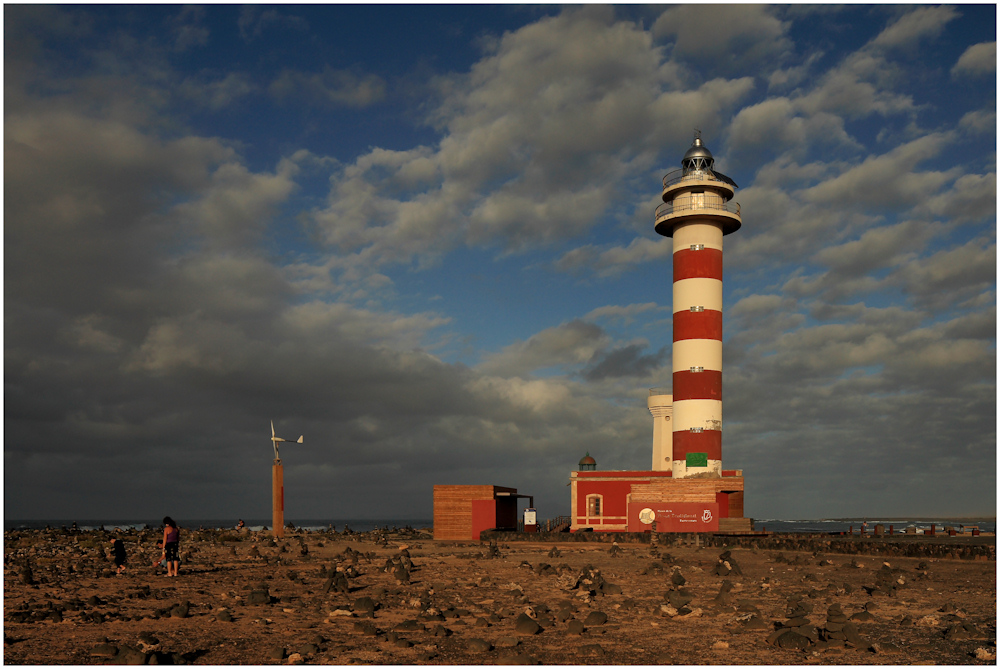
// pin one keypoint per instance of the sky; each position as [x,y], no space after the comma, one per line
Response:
[422,237]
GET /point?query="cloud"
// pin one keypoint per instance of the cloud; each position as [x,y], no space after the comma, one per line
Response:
[752,31]
[538,139]
[575,342]
[624,313]
[979,121]
[333,87]
[889,179]
[977,60]
[626,361]
[253,22]
[188,28]
[854,265]
[220,93]
[910,28]
[615,259]
[950,275]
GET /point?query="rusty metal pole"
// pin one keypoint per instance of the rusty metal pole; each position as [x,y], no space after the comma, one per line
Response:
[277,499]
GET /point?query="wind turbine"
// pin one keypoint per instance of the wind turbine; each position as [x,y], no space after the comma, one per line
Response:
[275,440]
[278,487]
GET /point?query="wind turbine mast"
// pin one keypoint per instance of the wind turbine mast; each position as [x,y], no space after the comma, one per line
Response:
[278,487]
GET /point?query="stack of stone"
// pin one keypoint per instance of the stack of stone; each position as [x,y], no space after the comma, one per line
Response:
[724,599]
[838,631]
[493,551]
[677,602]
[727,565]
[866,614]
[797,631]
[887,581]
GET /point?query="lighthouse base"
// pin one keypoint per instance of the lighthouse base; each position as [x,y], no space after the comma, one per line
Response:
[632,501]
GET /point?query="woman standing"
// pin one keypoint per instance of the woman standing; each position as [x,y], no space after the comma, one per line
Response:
[171,542]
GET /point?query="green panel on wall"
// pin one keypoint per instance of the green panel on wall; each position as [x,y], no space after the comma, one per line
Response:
[697,459]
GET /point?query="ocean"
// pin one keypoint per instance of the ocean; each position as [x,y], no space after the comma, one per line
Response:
[815,526]
[255,524]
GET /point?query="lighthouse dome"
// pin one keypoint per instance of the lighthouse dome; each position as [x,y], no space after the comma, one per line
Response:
[698,157]
[587,463]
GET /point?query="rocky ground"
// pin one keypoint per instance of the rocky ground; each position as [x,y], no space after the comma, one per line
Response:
[401,598]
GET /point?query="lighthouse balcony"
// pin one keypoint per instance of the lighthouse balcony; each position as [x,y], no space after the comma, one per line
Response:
[684,179]
[725,213]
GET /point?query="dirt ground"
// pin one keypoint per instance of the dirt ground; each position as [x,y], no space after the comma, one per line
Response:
[322,598]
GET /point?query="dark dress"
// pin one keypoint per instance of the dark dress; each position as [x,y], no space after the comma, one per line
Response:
[120,556]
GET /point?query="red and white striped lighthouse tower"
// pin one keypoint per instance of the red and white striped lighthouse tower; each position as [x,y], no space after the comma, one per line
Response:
[697,212]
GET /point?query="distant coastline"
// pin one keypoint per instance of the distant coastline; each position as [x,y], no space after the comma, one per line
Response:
[254,524]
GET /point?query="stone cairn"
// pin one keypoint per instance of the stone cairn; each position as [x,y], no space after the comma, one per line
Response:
[727,565]
[797,631]
[654,541]
[838,631]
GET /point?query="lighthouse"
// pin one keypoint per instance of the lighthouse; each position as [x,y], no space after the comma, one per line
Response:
[697,212]
[686,489]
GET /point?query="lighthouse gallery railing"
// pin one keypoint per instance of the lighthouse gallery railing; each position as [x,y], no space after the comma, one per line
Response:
[697,175]
[668,208]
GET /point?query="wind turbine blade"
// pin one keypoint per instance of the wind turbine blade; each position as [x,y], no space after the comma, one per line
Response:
[300,439]
[272,429]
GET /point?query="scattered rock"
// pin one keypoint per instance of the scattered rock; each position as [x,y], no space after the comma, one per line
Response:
[525,626]
[478,645]
[104,650]
[985,654]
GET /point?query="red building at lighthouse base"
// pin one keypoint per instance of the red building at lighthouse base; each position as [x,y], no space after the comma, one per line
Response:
[631,501]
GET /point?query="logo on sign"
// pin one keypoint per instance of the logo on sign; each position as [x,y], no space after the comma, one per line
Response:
[647,516]
[706,516]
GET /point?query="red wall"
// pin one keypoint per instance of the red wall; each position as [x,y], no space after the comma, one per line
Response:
[614,492]
[484,516]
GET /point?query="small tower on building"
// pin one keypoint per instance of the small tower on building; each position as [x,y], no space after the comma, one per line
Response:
[661,406]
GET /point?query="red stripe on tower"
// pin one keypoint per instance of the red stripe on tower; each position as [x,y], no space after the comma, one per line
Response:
[709,441]
[706,385]
[698,325]
[704,263]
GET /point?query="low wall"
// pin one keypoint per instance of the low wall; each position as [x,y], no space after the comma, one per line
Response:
[959,547]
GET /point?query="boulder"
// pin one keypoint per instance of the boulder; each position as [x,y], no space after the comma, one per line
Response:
[525,626]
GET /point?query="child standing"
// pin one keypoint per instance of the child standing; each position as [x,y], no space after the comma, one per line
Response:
[120,555]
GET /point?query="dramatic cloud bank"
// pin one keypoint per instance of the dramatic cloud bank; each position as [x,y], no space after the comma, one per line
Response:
[422,237]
